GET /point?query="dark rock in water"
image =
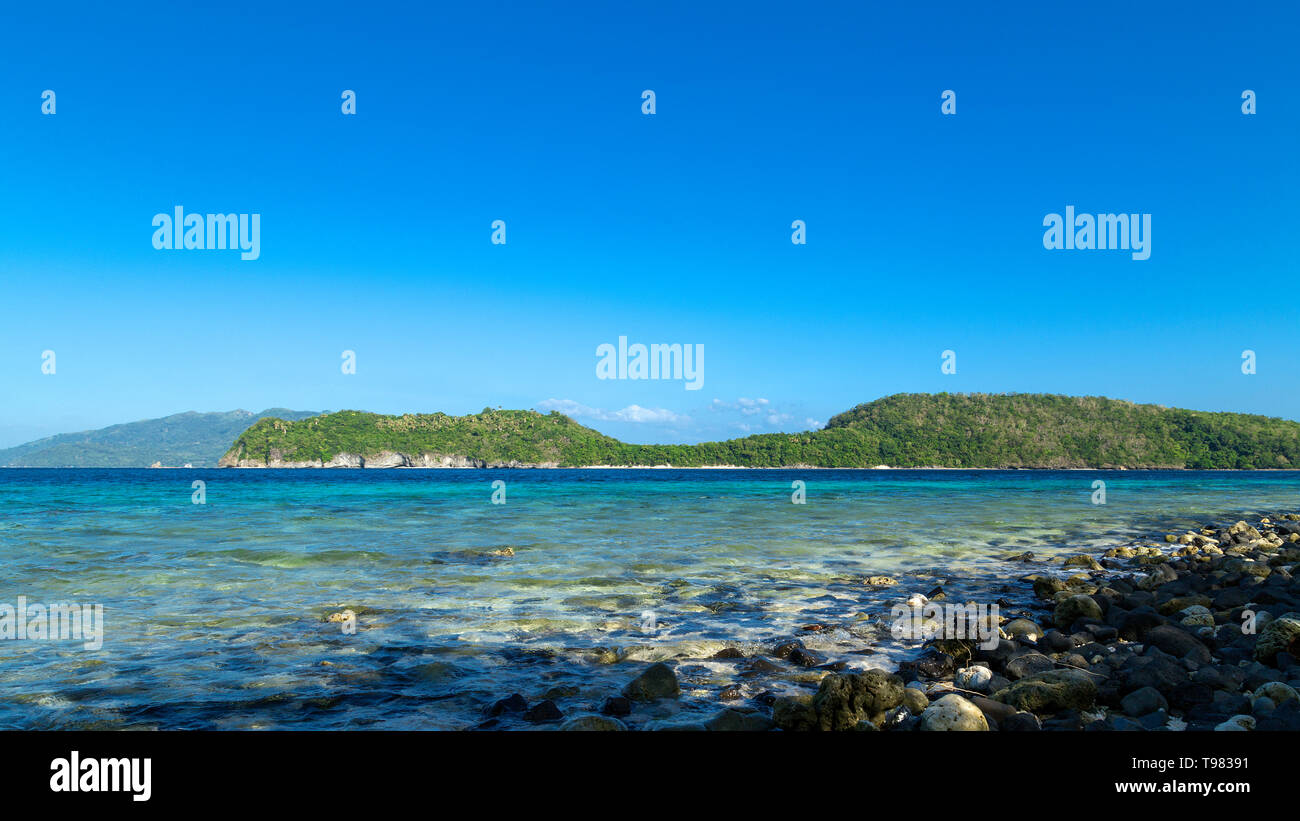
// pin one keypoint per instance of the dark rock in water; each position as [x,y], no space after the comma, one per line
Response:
[1178,643]
[767,698]
[593,723]
[806,658]
[794,714]
[616,706]
[1142,701]
[936,594]
[543,712]
[1021,557]
[843,700]
[932,664]
[834,666]
[1028,664]
[1046,587]
[759,666]
[959,649]
[784,649]
[1021,722]
[1070,610]
[658,681]
[899,718]
[730,693]
[514,704]
[729,653]
[738,720]
[1051,692]
[563,691]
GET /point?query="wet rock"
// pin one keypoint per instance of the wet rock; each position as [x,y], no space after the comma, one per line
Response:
[592,723]
[1045,587]
[1083,560]
[658,681]
[731,692]
[739,720]
[897,718]
[1051,692]
[543,712]
[931,664]
[842,700]
[1022,628]
[729,653]
[1071,609]
[676,725]
[915,700]
[806,658]
[616,706]
[759,666]
[880,581]
[952,713]
[515,703]
[794,714]
[784,649]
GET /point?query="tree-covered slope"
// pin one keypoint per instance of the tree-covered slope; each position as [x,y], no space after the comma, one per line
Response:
[904,430]
[198,439]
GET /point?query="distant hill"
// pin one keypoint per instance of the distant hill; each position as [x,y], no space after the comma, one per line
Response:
[198,439]
[903,430]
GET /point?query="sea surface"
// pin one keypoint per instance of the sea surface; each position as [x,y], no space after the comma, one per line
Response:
[215,614]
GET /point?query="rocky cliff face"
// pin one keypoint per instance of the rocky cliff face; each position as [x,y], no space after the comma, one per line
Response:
[383,459]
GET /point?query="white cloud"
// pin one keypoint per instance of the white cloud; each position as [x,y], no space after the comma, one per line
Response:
[632,413]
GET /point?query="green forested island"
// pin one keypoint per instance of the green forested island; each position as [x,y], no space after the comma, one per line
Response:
[903,430]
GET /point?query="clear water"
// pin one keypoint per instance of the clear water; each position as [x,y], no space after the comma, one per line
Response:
[214,613]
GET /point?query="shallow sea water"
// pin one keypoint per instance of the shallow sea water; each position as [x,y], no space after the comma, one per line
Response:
[215,613]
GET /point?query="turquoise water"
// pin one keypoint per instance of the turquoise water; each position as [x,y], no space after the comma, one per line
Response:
[215,613]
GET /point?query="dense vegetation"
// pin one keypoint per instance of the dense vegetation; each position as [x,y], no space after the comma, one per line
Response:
[904,430]
[194,438]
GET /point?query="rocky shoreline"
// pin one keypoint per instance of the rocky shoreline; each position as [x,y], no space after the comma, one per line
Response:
[1200,631]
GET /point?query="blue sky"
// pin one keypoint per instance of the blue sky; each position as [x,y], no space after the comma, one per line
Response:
[924,231]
